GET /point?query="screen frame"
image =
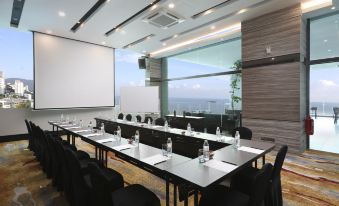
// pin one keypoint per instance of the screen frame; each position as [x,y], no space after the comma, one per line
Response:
[69,108]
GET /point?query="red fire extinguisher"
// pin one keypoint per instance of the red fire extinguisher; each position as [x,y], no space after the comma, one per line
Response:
[309,125]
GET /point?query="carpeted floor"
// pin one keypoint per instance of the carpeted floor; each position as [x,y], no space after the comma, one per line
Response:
[311,178]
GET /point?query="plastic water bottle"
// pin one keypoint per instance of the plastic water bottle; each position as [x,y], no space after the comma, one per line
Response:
[62,118]
[189,130]
[169,147]
[119,132]
[90,126]
[102,128]
[206,151]
[218,134]
[236,140]
[80,123]
[137,137]
[149,123]
[166,125]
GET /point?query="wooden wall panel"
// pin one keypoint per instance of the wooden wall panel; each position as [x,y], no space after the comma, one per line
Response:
[280,30]
[272,92]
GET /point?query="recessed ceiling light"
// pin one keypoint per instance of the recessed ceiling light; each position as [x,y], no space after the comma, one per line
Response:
[325,40]
[164,44]
[171,5]
[123,32]
[212,27]
[49,31]
[103,43]
[242,11]
[61,14]
[333,7]
[108,0]
[82,25]
[329,50]
[208,12]
[175,36]
[154,7]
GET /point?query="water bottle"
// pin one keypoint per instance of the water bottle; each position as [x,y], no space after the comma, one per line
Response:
[90,126]
[137,137]
[236,140]
[62,118]
[206,151]
[169,147]
[189,130]
[149,123]
[166,125]
[80,123]
[218,134]
[74,120]
[67,118]
[119,132]
[175,113]
[102,128]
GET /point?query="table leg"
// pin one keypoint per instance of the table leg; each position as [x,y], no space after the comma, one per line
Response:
[196,198]
[106,158]
[256,164]
[68,138]
[263,160]
[186,201]
[167,191]
[175,194]
[96,153]
[73,140]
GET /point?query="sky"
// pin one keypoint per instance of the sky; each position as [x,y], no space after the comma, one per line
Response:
[16,61]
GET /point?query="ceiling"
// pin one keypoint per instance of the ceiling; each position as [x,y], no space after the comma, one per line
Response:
[43,16]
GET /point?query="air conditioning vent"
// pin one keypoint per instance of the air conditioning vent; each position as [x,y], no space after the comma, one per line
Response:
[163,19]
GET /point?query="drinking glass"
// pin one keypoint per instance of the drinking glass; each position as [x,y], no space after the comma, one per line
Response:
[164,149]
[201,156]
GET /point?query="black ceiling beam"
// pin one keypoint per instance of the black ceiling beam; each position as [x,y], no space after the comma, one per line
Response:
[139,41]
[132,17]
[18,6]
[212,9]
[88,14]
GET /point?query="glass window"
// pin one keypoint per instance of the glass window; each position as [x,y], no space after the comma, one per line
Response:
[325,37]
[127,72]
[207,60]
[16,69]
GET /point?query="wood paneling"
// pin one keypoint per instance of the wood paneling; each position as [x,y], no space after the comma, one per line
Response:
[281,30]
[272,92]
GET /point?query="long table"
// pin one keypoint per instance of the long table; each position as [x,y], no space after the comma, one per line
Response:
[178,168]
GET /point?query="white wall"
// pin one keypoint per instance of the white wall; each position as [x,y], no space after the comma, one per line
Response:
[12,120]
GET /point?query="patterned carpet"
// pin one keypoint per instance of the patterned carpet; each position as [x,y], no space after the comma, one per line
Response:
[311,178]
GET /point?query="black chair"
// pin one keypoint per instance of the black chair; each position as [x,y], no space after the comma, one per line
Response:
[105,195]
[121,116]
[29,130]
[245,133]
[220,195]
[138,118]
[274,195]
[148,118]
[160,122]
[336,114]
[188,114]
[129,117]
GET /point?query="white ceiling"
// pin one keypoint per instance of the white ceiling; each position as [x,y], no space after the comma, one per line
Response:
[42,15]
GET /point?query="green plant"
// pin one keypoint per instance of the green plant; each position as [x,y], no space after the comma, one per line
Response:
[235,80]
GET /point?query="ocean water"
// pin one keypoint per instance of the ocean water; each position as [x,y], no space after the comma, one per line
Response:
[324,108]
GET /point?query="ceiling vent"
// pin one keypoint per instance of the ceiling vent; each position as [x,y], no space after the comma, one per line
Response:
[163,19]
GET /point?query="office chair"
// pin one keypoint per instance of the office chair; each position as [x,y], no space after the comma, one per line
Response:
[148,118]
[245,133]
[129,117]
[138,118]
[160,122]
[121,116]
[219,195]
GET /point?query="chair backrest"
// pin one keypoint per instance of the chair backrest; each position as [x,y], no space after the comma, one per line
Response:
[121,116]
[128,117]
[100,185]
[147,118]
[77,176]
[279,161]
[336,110]
[160,122]
[245,133]
[138,118]
[188,114]
[260,185]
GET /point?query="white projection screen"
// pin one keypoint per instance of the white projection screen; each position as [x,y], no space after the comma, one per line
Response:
[140,99]
[72,74]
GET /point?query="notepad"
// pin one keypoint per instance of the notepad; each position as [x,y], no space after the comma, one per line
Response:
[221,166]
[106,140]
[82,130]
[123,147]
[75,127]
[156,159]
[251,150]
[92,135]
[66,125]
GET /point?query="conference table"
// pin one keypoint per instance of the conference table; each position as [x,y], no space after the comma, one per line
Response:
[176,169]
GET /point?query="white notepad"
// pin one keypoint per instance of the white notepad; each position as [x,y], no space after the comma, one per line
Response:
[106,140]
[123,147]
[92,135]
[82,130]
[66,125]
[221,166]
[155,159]
[75,127]
[251,150]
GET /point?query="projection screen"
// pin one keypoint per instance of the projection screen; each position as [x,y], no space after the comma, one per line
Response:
[72,74]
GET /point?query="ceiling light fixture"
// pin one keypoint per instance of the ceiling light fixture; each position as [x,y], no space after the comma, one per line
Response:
[242,11]
[312,5]
[207,12]
[103,43]
[164,44]
[175,35]
[171,5]
[61,14]
[333,7]
[325,40]
[329,50]
[49,31]
[212,27]
[154,7]
[223,32]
